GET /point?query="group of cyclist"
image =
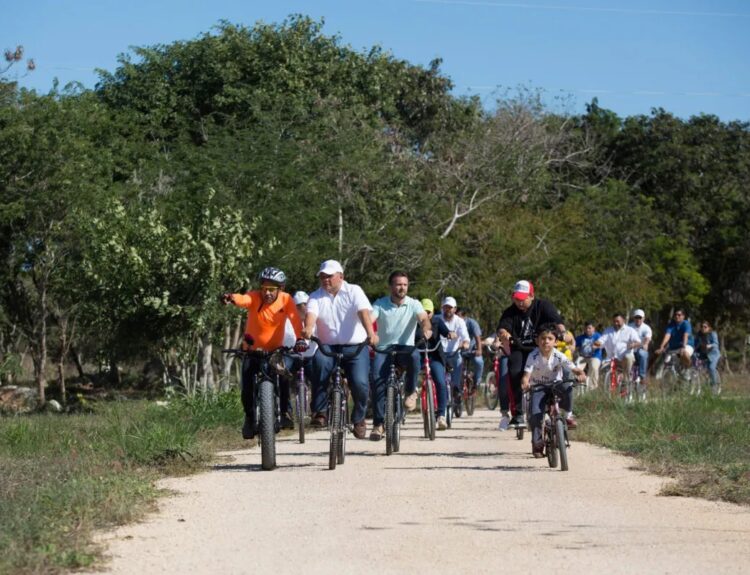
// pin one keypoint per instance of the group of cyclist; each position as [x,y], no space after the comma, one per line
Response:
[530,334]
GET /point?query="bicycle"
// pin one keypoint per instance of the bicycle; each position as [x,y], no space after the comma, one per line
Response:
[302,399]
[338,401]
[702,377]
[266,401]
[394,398]
[428,398]
[672,374]
[627,386]
[554,426]
[468,386]
[492,382]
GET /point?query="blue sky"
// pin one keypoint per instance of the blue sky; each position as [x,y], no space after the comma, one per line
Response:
[687,56]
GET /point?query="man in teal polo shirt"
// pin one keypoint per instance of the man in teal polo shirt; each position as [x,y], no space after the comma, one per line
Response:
[397,315]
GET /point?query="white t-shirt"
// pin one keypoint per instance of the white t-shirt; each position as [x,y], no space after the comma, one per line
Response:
[543,370]
[337,321]
[458,325]
[616,342]
[644,332]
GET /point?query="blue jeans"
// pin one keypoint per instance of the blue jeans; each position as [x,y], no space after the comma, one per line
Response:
[437,372]
[454,361]
[382,369]
[641,356]
[477,366]
[537,407]
[357,373]
[712,361]
[503,385]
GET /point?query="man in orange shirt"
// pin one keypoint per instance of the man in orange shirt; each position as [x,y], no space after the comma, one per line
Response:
[268,309]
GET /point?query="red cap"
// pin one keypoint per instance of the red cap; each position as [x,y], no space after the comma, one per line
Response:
[523,289]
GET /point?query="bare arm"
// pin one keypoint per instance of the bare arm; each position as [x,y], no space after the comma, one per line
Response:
[426,325]
[364,317]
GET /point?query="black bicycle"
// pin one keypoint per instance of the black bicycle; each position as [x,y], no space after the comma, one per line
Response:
[554,426]
[265,398]
[468,385]
[302,399]
[394,397]
[338,401]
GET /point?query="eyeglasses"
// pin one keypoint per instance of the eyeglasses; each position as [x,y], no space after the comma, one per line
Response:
[270,289]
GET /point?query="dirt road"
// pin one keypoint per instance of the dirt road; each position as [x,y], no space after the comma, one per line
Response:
[473,501]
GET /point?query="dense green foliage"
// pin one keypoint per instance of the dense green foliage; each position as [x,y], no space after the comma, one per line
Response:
[126,210]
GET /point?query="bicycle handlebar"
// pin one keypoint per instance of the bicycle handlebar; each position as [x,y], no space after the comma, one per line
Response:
[391,349]
[556,383]
[426,349]
[339,355]
[260,352]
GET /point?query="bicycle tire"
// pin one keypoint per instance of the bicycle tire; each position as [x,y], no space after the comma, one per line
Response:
[335,422]
[390,416]
[549,442]
[519,432]
[299,405]
[561,445]
[470,403]
[491,398]
[457,404]
[425,414]
[430,394]
[397,425]
[341,444]
[267,403]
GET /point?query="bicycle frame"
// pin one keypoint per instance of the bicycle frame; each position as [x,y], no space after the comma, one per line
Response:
[394,414]
[428,415]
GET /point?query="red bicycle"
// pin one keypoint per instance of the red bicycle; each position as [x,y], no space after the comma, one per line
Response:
[428,398]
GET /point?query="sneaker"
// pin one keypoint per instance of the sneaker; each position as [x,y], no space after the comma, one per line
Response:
[248,429]
[442,425]
[517,421]
[504,422]
[537,450]
[286,421]
[319,420]
[410,403]
[360,429]
[571,421]
[377,432]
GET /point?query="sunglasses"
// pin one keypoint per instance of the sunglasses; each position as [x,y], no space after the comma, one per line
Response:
[270,289]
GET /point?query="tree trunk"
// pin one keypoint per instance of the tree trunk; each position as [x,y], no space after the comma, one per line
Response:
[76,357]
[114,371]
[61,381]
[40,362]
[205,366]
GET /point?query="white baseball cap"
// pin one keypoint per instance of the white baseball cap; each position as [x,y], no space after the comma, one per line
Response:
[300,297]
[330,267]
[638,313]
[449,301]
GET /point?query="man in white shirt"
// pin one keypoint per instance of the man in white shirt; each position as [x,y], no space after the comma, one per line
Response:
[452,347]
[619,341]
[645,333]
[340,314]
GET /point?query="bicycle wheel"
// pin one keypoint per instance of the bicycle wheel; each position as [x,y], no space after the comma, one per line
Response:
[267,403]
[390,417]
[430,412]
[549,442]
[335,423]
[561,445]
[341,443]
[397,424]
[299,406]
[457,403]
[490,391]
[519,431]
[470,398]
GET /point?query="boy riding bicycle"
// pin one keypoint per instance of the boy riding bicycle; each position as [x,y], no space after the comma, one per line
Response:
[545,365]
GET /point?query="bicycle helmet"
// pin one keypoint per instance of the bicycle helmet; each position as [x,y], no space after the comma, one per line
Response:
[272,274]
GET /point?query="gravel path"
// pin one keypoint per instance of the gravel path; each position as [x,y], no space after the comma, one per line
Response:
[473,501]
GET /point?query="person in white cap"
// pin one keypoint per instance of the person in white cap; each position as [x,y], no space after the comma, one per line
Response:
[340,314]
[452,348]
[517,327]
[645,333]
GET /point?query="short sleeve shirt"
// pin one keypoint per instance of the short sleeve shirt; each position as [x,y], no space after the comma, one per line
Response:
[337,321]
[396,323]
[546,370]
[644,332]
[677,331]
[474,331]
[585,345]
[616,342]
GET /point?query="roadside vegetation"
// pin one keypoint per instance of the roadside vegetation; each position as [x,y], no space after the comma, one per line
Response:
[703,442]
[64,476]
